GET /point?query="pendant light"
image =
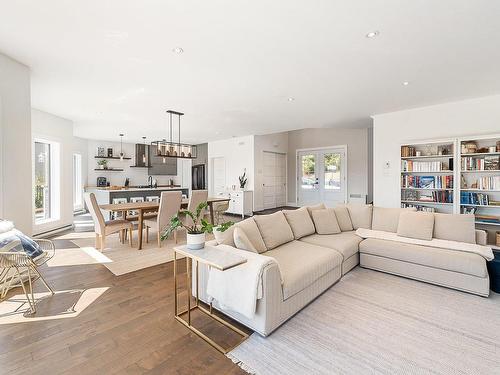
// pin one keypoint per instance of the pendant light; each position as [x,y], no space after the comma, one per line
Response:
[170,149]
[121,147]
[144,155]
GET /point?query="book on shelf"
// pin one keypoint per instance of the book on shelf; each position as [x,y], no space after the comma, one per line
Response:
[486,183]
[427,182]
[407,151]
[486,163]
[427,197]
[467,197]
[426,166]
[418,207]
[488,219]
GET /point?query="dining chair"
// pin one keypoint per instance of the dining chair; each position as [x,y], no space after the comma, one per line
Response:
[197,197]
[170,204]
[104,228]
[219,209]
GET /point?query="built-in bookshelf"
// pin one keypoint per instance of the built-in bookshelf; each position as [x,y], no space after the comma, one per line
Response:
[427,176]
[479,186]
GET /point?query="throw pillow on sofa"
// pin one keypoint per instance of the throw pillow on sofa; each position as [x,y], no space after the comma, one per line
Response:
[274,229]
[251,230]
[325,221]
[419,225]
[361,215]
[300,222]
[343,218]
[455,227]
[242,242]
[320,206]
[226,237]
[387,219]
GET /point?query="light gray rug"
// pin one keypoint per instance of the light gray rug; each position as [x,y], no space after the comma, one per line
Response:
[375,323]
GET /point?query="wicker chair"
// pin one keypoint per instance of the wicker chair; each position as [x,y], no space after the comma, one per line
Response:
[17,269]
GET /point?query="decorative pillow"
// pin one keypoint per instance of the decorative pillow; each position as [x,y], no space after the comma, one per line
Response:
[361,215]
[320,206]
[16,241]
[325,221]
[387,219]
[455,227]
[274,229]
[417,225]
[343,218]
[300,222]
[226,237]
[252,232]
[242,242]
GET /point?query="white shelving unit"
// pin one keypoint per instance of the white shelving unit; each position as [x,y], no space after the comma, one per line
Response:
[438,155]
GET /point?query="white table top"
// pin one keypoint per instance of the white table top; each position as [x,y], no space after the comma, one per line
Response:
[213,256]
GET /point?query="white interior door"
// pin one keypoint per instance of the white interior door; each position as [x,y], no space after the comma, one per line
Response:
[218,175]
[322,176]
[274,179]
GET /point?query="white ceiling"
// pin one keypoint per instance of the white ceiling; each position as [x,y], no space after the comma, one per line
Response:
[109,66]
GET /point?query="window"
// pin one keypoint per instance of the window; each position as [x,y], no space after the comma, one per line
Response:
[308,169]
[77,182]
[332,171]
[46,181]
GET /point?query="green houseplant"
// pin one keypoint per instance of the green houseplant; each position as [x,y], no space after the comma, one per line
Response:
[243,180]
[103,164]
[195,228]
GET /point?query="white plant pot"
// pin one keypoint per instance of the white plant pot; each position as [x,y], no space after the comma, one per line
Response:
[195,241]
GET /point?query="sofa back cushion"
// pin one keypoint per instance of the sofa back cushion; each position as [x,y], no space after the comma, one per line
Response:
[252,232]
[242,242]
[325,221]
[387,219]
[343,218]
[455,227]
[419,225]
[361,215]
[320,206]
[274,229]
[300,222]
[226,237]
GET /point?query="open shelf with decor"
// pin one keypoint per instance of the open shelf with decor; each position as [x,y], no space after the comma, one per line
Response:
[427,176]
[480,183]
[112,157]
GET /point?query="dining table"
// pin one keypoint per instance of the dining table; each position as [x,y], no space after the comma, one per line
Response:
[146,207]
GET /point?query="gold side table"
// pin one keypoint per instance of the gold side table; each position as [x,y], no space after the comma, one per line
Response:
[212,257]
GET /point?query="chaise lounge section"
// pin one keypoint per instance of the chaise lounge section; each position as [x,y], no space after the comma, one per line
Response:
[313,247]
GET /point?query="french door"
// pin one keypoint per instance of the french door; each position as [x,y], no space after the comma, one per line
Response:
[321,176]
[274,179]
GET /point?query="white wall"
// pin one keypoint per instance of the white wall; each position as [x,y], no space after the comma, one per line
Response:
[277,142]
[357,155]
[457,119]
[137,176]
[239,155]
[15,144]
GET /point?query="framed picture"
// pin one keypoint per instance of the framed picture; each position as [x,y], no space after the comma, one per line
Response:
[101,151]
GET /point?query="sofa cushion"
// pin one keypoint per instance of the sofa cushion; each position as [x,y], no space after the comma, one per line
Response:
[418,225]
[455,227]
[301,264]
[252,232]
[361,215]
[274,229]
[226,237]
[320,206]
[387,219]
[451,260]
[346,243]
[300,222]
[242,242]
[343,218]
[325,221]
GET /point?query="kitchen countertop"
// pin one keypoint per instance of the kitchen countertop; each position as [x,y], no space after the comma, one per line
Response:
[120,188]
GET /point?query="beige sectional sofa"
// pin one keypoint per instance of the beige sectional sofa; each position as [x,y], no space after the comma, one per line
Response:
[314,247]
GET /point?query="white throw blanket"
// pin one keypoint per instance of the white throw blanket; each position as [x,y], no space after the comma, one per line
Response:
[238,288]
[485,251]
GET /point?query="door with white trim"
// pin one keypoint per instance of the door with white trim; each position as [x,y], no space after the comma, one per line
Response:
[274,179]
[321,176]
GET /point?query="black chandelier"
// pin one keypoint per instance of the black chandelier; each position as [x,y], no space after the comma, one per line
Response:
[171,149]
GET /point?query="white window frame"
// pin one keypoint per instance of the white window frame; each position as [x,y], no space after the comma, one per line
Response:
[78,188]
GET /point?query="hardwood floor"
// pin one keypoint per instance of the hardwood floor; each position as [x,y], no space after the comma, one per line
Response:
[130,329]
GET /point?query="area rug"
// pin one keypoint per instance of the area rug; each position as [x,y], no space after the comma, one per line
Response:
[118,258]
[375,323]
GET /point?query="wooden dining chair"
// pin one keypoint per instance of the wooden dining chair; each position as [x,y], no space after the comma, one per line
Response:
[170,204]
[104,228]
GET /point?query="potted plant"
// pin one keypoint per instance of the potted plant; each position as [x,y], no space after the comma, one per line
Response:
[103,164]
[195,229]
[243,180]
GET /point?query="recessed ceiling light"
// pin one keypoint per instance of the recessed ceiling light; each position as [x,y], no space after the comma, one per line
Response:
[290,99]
[178,50]
[406,83]
[372,34]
